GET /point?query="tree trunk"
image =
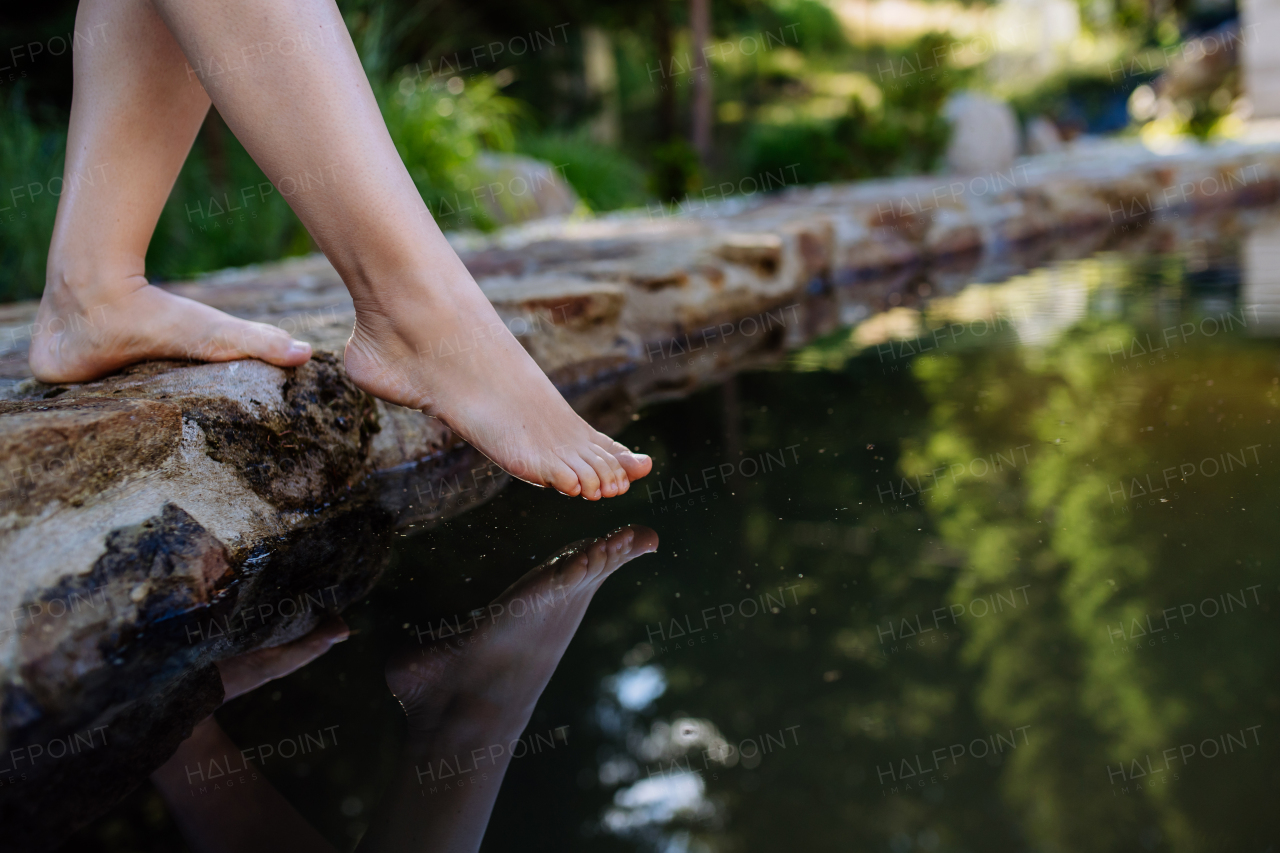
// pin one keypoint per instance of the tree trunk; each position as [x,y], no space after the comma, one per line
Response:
[601,72]
[666,86]
[700,24]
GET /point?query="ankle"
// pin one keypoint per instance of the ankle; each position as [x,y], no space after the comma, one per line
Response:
[80,302]
[91,281]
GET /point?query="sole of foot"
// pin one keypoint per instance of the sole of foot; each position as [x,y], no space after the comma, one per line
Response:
[499,668]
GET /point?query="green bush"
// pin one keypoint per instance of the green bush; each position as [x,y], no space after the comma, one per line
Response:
[205,224]
[675,171]
[905,133]
[862,144]
[223,212]
[816,26]
[809,146]
[604,177]
[31,171]
[439,126]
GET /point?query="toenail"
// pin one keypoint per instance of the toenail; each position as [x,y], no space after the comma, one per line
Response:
[296,347]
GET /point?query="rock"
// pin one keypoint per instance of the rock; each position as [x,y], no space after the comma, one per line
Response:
[72,450]
[517,188]
[1043,136]
[984,134]
[1261,56]
[1204,65]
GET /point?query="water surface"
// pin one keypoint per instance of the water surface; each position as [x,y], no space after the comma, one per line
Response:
[1006,584]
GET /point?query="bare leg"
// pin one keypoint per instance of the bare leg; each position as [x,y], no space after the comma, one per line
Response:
[468,697]
[238,810]
[285,76]
[133,120]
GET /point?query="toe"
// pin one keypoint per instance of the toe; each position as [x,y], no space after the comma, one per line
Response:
[615,467]
[579,567]
[620,543]
[564,479]
[598,556]
[624,545]
[273,345]
[588,480]
[607,469]
[645,541]
[636,465]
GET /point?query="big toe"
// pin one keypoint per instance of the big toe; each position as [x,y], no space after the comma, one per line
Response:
[273,345]
[632,541]
[625,544]
[635,465]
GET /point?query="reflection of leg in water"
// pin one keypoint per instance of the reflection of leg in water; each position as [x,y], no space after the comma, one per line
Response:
[221,801]
[463,699]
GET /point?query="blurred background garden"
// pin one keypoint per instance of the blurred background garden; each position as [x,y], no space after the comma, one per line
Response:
[619,102]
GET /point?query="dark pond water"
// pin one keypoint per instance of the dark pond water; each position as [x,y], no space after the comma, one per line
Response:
[1010,586]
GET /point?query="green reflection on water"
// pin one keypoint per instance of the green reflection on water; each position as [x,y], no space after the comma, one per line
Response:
[1060,549]
[1136,519]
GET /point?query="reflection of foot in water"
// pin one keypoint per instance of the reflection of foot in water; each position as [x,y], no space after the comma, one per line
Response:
[473,698]
[498,664]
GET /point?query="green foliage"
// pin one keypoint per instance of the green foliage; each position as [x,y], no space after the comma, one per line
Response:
[223,212]
[676,170]
[816,26]
[604,177]
[440,125]
[217,216]
[904,133]
[30,183]
[810,144]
